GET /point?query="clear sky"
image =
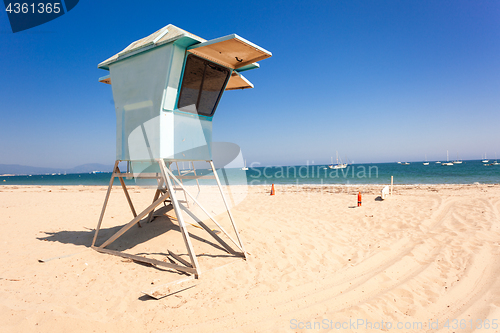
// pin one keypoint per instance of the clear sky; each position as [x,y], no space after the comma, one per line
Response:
[378,81]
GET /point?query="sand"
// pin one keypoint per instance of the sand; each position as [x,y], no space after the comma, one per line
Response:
[427,259]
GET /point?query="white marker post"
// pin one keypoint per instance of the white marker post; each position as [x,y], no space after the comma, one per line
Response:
[392,182]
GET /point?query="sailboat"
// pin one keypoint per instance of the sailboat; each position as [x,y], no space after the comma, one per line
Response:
[458,161]
[338,165]
[447,160]
[245,167]
[496,161]
[426,163]
[485,160]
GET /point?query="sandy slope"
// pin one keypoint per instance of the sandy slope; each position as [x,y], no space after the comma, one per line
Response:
[427,256]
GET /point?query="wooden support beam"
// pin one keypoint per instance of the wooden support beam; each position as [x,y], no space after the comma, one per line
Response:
[150,216]
[149,175]
[156,175]
[179,173]
[179,259]
[163,193]
[228,248]
[197,182]
[124,187]
[146,260]
[204,210]
[135,220]
[165,175]
[105,203]
[195,177]
[227,207]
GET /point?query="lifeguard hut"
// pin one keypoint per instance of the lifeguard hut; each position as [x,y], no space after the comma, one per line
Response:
[166,88]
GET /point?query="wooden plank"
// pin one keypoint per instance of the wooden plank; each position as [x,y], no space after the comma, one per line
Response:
[171,288]
[149,175]
[147,260]
[156,175]
[134,221]
[243,64]
[105,79]
[195,177]
[238,81]
[178,258]
[105,203]
[230,51]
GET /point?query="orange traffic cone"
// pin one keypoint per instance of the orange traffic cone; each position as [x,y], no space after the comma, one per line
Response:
[272,190]
[359,199]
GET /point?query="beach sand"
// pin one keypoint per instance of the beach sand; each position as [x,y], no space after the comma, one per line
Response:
[427,256]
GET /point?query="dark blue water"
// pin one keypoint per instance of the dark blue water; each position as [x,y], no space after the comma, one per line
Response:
[468,172]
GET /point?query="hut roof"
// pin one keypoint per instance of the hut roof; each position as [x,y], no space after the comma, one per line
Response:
[167,34]
[230,51]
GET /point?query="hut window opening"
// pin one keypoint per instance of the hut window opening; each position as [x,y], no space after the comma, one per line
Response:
[202,86]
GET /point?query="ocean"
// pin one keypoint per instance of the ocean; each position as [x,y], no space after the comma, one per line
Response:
[469,172]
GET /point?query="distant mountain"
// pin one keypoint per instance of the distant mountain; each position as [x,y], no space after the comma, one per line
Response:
[90,167]
[17,169]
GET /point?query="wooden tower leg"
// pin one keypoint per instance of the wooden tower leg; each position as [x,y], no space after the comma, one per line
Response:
[180,218]
[150,216]
[179,173]
[105,203]
[227,207]
[203,209]
[197,182]
[124,187]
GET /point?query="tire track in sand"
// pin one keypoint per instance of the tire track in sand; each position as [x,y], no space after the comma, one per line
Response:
[394,263]
[373,279]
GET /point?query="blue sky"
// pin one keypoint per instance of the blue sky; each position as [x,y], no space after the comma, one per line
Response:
[378,81]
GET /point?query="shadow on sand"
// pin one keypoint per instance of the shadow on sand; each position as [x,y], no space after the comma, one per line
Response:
[133,237]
